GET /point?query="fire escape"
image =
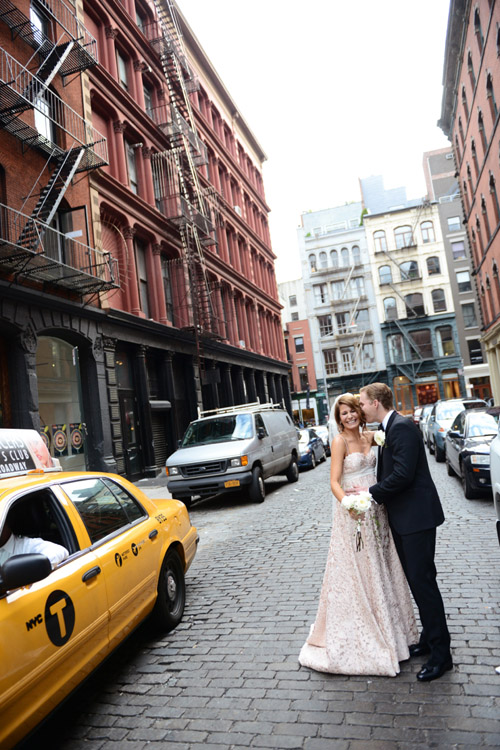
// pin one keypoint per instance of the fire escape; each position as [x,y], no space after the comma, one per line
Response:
[29,110]
[179,194]
[406,367]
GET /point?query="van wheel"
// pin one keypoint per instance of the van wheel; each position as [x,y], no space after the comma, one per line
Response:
[292,473]
[257,489]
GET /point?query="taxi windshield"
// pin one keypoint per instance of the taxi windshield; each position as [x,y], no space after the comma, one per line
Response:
[219,430]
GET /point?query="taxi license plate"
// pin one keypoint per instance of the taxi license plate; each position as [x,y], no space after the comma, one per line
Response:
[232,483]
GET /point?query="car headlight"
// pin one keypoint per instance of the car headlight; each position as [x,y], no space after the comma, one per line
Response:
[482,460]
[240,461]
[171,470]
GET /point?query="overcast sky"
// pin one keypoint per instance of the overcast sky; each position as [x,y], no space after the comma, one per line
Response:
[333,91]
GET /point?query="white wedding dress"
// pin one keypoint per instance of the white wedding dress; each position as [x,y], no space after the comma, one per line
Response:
[365,620]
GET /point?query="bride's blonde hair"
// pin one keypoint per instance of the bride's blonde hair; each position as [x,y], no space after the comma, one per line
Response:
[352,402]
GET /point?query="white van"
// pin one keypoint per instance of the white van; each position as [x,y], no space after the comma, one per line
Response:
[234,448]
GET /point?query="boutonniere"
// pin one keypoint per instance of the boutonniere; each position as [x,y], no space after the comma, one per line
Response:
[379,438]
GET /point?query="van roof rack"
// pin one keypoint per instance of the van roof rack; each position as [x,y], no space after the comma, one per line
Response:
[254,406]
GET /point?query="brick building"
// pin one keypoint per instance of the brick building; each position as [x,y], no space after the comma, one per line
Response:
[469,117]
[136,270]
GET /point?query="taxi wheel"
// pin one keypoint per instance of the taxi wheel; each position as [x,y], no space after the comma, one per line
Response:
[169,606]
[257,489]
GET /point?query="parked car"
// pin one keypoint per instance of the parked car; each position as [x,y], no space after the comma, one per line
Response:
[424,418]
[417,413]
[322,431]
[127,559]
[311,448]
[234,449]
[442,416]
[468,450]
[495,472]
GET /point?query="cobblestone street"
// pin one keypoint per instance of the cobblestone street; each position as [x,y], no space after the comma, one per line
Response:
[228,677]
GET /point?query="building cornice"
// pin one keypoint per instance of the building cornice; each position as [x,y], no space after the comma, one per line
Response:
[453,57]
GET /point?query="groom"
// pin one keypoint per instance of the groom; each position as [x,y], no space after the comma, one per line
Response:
[405,486]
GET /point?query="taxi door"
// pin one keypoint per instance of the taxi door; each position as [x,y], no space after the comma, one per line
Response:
[54,632]
[127,546]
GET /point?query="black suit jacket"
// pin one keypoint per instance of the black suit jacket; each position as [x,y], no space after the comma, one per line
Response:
[404,483]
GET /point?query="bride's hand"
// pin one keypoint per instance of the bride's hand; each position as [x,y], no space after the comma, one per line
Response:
[357,516]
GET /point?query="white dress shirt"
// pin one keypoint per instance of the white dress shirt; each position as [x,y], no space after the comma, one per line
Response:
[386,419]
[24,545]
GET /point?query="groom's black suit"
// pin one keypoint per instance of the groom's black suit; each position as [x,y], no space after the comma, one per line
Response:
[405,486]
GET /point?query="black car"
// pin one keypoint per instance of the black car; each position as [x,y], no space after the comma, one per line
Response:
[468,450]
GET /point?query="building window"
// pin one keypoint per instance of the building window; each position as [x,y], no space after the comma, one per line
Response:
[148,100]
[491,97]
[43,121]
[472,75]
[475,351]
[414,305]
[478,30]
[433,266]
[494,196]
[323,260]
[344,257]
[362,320]
[338,289]
[368,357]
[299,344]
[131,168]
[342,322]
[422,343]
[454,224]
[334,258]
[142,276]
[121,64]
[295,316]
[463,281]
[292,300]
[312,263]
[347,359]
[303,378]
[380,241]
[395,344]
[438,300]
[356,255]
[427,228]
[320,293]
[390,308]
[458,250]
[446,346]
[385,275]
[167,289]
[330,357]
[404,237]
[469,315]
[325,325]
[409,270]
[357,286]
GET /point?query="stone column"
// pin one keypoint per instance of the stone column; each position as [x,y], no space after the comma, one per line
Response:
[161,309]
[149,193]
[122,172]
[252,388]
[111,34]
[135,305]
[227,385]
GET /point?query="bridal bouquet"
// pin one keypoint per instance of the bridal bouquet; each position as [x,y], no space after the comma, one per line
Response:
[359,503]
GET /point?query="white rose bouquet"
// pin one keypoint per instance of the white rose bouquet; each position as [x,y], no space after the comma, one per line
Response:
[379,438]
[359,503]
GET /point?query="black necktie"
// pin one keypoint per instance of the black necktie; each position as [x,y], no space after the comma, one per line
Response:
[381,427]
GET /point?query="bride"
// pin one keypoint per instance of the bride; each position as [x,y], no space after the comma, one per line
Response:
[365,620]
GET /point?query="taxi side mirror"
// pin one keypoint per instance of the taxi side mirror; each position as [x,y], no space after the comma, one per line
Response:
[21,570]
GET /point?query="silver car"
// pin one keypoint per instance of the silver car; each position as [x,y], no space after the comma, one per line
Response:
[424,418]
[495,474]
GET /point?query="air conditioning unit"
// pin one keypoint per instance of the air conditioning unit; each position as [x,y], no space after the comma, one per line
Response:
[238,210]
[242,344]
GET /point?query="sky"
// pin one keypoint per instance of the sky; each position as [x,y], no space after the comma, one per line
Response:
[334,91]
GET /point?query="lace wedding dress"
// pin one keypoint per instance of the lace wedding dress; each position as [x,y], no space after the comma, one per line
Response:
[365,620]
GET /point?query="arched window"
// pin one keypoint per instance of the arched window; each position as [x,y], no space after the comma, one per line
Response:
[465,105]
[403,236]
[458,155]
[409,270]
[474,156]
[461,131]
[433,265]
[390,308]
[438,300]
[482,133]
[323,260]
[484,211]
[334,258]
[491,97]
[470,69]
[477,30]
[356,255]
[427,228]
[344,257]
[479,235]
[494,196]
[385,275]
[312,263]
[446,345]
[414,304]
[379,241]
[395,344]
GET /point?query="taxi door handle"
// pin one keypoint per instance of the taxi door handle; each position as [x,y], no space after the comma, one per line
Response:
[92,573]
[153,534]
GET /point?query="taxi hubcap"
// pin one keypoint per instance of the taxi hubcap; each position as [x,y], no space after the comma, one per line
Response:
[171,587]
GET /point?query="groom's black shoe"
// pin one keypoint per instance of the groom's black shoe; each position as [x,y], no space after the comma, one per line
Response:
[432,672]
[419,649]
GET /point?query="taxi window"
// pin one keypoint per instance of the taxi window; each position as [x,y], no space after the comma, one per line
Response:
[131,506]
[100,510]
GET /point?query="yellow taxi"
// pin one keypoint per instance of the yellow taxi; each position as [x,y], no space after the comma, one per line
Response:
[92,558]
